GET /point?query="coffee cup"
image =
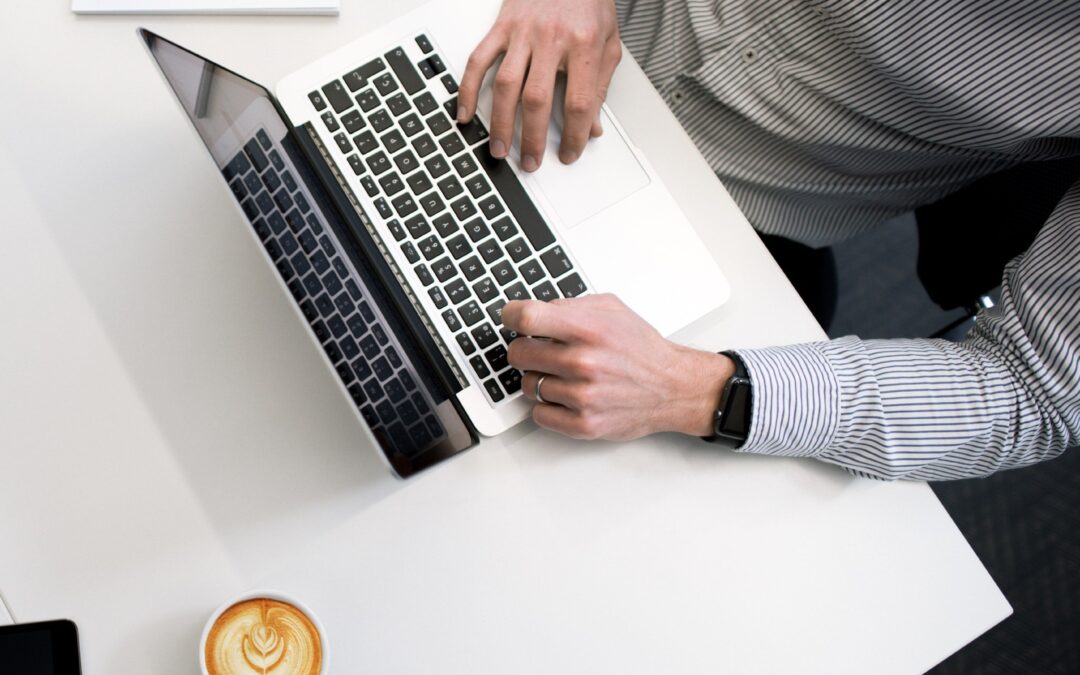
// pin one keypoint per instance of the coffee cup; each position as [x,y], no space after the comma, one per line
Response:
[264,631]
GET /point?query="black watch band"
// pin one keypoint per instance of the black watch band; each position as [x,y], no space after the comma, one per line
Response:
[731,421]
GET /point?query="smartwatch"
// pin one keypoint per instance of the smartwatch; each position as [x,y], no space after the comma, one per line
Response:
[731,421]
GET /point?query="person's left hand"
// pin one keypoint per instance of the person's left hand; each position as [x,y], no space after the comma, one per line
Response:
[609,374]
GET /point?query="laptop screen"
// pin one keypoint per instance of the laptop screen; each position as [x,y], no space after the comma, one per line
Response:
[321,260]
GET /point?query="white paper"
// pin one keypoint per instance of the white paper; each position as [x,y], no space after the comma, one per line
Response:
[5,616]
[205,6]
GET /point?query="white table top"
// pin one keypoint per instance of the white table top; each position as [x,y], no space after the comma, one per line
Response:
[170,437]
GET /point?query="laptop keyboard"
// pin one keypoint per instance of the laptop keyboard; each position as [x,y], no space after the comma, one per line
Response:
[346,322]
[461,219]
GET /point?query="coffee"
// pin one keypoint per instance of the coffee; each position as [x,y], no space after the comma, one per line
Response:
[263,636]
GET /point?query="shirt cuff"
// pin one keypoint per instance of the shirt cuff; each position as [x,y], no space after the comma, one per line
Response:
[795,408]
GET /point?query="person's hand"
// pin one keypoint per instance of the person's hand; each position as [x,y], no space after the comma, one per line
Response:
[608,374]
[540,38]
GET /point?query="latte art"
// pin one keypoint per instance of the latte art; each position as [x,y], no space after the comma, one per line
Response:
[262,636]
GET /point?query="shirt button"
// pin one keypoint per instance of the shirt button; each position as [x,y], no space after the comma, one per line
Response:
[819,11]
[749,55]
[678,95]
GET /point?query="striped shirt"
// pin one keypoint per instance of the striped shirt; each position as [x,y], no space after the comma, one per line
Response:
[826,118]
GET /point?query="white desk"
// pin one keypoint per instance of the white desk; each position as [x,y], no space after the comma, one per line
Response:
[171,438]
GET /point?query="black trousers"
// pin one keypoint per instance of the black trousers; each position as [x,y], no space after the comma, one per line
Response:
[812,271]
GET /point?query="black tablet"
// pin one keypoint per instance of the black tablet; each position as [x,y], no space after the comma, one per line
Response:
[45,648]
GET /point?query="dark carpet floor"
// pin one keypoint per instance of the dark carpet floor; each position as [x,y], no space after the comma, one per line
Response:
[1023,524]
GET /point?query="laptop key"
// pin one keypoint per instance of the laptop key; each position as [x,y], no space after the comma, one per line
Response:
[419,183]
[290,183]
[479,366]
[317,100]
[423,43]
[489,250]
[319,262]
[365,142]
[473,132]
[371,68]
[439,123]
[284,269]
[344,304]
[407,162]
[445,225]
[398,104]
[405,70]
[508,335]
[357,326]
[450,187]
[356,164]
[320,330]
[465,165]
[410,252]
[478,186]
[424,275]
[407,413]
[333,352]
[459,246]
[531,271]
[436,166]
[381,368]
[496,358]
[380,121]
[437,297]
[339,98]
[451,321]
[251,182]
[504,272]
[451,144]
[511,380]
[345,373]
[332,283]
[277,223]
[444,269]
[237,167]
[494,310]
[373,389]
[484,335]
[394,390]
[261,229]
[477,229]
[493,390]
[451,107]
[355,80]
[425,103]
[545,292]
[385,83]
[466,345]
[431,247]
[256,155]
[342,142]
[457,291]
[424,145]
[463,208]
[383,208]
[485,289]
[450,83]
[572,286]
[368,183]
[353,290]
[264,202]
[353,121]
[337,326]
[404,205]
[518,250]
[411,125]
[288,243]
[339,267]
[392,357]
[391,184]
[379,163]
[308,243]
[556,262]
[417,226]
[471,268]
[369,346]
[330,121]
[367,100]
[517,292]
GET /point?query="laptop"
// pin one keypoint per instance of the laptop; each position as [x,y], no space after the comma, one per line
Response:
[399,238]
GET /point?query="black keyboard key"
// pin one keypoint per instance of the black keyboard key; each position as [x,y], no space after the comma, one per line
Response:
[392,141]
[496,358]
[517,200]
[380,334]
[451,321]
[405,205]
[423,43]
[345,372]
[476,229]
[365,142]
[436,166]
[434,64]
[320,263]
[313,223]
[417,226]
[369,415]
[407,162]
[373,389]
[385,83]
[295,221]
[450,83]
[356,164]
[419,183]
[238,188]
[395,391]
[344,304]
[410,252]
[338,96]
[252,183]
[545,292]
[463,208]
[290,184]
[261,229]
[277,223]
[308,243]
[480,366]
[353,121]
[445,225]
[357,326]
[362,369]
[337,326]
[342,142]
[490,250]
[353,290]
[320,330]
[425,103]
[380,120]
[382,368]
[392,357]
[256,155]
[330,121]
[439,124]
[443,269]
[354,80]
[383,208]
[504,273]
[317,100]
[431,247]
[478,185]
[367,100]
[557,262]
[325,305]
[327,245]
[313,311]
[378,163]
[491,207]
[365,311]
[407,413]
[494,391]
[471,268]
[511,380]
[517,292]
[387,412]
[357,393]
[508,335]
[411,125]
[518,250]
[391,184]
[450,187]
[404,69]
[451,107]
[465,165]
[371,68]
[466,345]
[237,167]
[494,311]
[333,283]
[473,132]
[284,269]
[424,146]
[437,297]
[288,243]
[424,275]
[283,200]
[572,286]
[265,203]
[451,144]
[457,291]
[459,246]
[368,183]
[398,104]
[485,335]
[369,346]
[531,271]
[485,289]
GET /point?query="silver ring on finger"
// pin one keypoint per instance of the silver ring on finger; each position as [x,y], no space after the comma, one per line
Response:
[536,389]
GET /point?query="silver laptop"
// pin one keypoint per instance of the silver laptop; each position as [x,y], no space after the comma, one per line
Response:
[400,238]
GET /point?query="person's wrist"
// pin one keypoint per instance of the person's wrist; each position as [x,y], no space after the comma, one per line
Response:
[699,382]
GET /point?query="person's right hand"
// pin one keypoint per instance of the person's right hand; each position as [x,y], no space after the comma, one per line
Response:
[540,38]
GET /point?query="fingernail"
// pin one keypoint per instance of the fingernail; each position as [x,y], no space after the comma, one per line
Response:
[529,163]
[461,113]
[568,157]
[498,148]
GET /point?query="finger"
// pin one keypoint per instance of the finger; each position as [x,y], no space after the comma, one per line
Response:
[507,91]
[581,103]
[532,317]
[480,61]
[545,356]
[554,390]
[536,100]
[612,56]
[559,418]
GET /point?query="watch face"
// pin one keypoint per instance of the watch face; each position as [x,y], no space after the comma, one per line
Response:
[737,409]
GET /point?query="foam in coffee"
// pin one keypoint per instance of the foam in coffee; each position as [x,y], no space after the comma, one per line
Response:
[263,636]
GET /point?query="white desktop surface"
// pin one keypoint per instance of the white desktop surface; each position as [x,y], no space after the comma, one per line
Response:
[170,436]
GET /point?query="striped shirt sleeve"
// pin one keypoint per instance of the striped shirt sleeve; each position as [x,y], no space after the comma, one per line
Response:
[1007,396]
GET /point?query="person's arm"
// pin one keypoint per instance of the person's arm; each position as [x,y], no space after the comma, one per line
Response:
[1007,396]
[537,40]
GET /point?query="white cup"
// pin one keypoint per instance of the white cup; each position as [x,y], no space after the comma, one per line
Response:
[272,595]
